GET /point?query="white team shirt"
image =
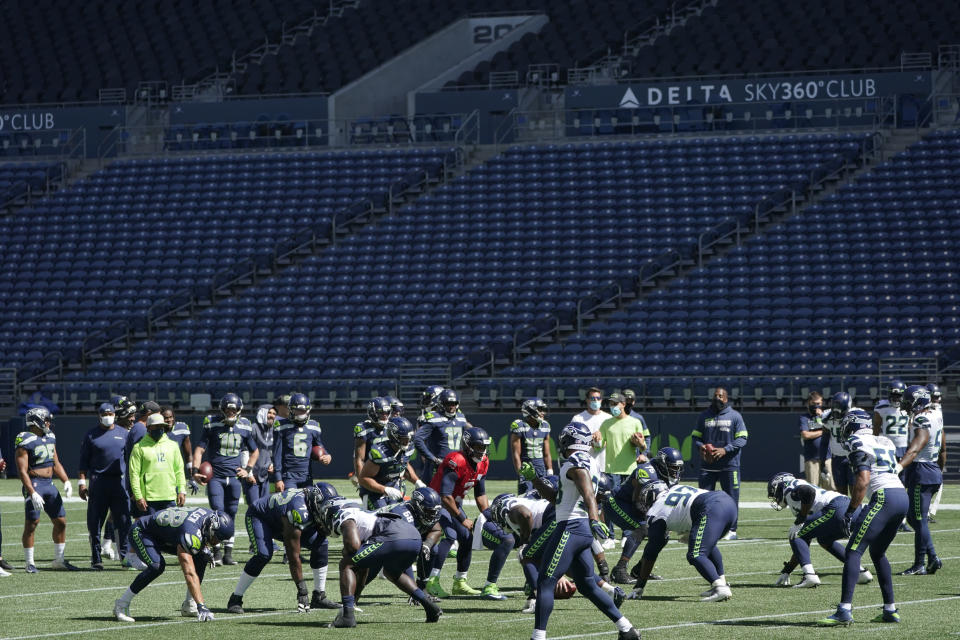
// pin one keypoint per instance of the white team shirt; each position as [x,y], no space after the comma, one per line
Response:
[882,455]
[932,420]
[833,426]
[569,501]
[820,501]
[593,423]
[673,506]
[365,521]
[894,422]
[536,507]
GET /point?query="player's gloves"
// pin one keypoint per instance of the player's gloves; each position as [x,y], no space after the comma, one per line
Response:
[194,486]
[794,530]
[303,597]
[898,469]
[393,493]
[420,483]
[425,551]
[68,489]
[847,524]
[527,472]
[37,500]
[783,580]
[203,613]
[636,594]
[600,530]
[355,481]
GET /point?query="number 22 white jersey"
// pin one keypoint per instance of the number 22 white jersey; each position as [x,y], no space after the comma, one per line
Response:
[673,506]
[893,423]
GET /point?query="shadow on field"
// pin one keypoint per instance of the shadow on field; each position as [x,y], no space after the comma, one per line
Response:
[110,618]
[765,623]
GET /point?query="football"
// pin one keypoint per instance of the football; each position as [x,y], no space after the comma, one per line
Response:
[206,470]
[316,452]
[707,450]
[564,589]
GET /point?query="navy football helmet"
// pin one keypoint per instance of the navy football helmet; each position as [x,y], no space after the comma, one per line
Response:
[858,420]
[332,513]
[38,418]
[448,403]
[776,487]
[500,508]
[534,408]
[575,436]
[895,393]
[839,405]
[399,433]
[916,398]
[669,465]
[935,394]
[428,399]
[474,443]
[218,526]
[230,407]
[124,408]
[426,505]
[648,494]
[299,406]
[378,411]
[396,406]
[326,490]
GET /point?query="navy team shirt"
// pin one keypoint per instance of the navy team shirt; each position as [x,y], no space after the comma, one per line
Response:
[101,451]
[223,444]
[176,526]
[292,445]
[40,449]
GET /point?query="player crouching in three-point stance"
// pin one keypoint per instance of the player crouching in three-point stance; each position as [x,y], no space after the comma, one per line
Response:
[568,549]
[371,542]
[873,461]
[819,514]
[706,515]
[187,533]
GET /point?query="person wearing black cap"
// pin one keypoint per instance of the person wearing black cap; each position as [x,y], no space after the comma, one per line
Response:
[101,455]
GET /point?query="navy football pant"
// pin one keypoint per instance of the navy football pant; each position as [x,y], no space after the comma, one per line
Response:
[729,484]
[712,515]
[568,550]
[452,530]
[107,493]
[52,502]
[827,527]
[501,543]
[874,528]
[627,518]
[223,494]
[920,496]
[254,492]
[147,551]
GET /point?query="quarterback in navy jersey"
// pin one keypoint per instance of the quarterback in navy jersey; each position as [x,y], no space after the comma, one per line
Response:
[224,438]
[293,441]
[37,463]
[440,431]
[185,532]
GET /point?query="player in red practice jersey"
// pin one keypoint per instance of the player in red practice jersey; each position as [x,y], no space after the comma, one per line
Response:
[459,471]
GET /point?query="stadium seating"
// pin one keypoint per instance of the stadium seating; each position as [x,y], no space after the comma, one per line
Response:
[771,35]
[867,274]
[511,246]
[54,51]
[106,249]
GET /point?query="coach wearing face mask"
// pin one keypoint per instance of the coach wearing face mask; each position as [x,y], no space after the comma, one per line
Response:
[102,465]
[156,470]
[720,435]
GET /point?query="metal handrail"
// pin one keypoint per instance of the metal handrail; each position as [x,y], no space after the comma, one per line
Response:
[581,312]
[85,352]
[505,128]
[516,334]
[473,121]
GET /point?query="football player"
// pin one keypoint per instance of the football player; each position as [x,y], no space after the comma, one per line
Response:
[187,533]
[890,420]
[179,432]
[422,510]
[4,565]
[935,402]
[522,516]
[396,406]
[293,441]
[381,478]
[368,433]
[101,458]
[224,437]
[818,514]
[705,515]
[37,463]
[373,542]
[923,463]
[459,471]
[568,547]
[873,460]
[840,404]
[530,441]
[440,432]
[287,516]
[263,435]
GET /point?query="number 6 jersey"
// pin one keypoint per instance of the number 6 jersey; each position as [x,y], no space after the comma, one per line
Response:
[673,507]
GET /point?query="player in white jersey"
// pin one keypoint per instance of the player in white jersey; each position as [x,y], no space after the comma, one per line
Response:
[935,402]
[890,420]
[840,404]
[568,548]
[818,513]
[922,464]
[874,464]
[706,515]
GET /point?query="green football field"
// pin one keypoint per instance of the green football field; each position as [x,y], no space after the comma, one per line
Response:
[60,604]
